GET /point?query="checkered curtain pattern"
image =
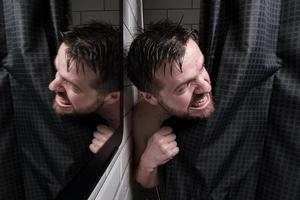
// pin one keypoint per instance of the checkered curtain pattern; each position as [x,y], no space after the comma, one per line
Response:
[40,152]
[250,148]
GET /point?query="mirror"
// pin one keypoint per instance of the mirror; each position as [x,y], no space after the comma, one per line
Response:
[43,152]
[92,51]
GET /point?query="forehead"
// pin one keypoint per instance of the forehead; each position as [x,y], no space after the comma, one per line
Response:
[192,63]
[83,73]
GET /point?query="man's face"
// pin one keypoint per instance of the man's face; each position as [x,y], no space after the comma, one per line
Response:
[186,94]
[74,92]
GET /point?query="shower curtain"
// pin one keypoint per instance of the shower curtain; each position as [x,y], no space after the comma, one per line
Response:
[40,152]
[250,148]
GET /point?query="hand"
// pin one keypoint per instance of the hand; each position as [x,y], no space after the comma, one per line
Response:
[101,135]
[161,147]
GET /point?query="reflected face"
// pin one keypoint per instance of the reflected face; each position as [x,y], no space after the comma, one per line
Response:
[74,92]
[186,93]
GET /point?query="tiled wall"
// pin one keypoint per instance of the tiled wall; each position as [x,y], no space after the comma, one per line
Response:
[189,10]
[102,10]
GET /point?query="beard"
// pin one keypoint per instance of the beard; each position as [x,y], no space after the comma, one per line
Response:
[188,113]
[70,111]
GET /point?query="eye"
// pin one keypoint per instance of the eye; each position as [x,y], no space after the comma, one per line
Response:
[75,89]
[65,82]
[183,88]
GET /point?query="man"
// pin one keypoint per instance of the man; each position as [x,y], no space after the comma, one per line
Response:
[87,78]
[167,66]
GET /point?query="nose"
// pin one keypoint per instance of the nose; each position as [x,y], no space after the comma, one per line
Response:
[202,85]
[55,85]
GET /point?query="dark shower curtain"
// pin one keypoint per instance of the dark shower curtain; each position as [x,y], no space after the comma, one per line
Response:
[250,148]
[39,151]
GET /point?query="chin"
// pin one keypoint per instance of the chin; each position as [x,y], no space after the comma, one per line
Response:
[203,114]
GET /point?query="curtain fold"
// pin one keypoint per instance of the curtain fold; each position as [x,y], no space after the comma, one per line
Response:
[40,151]
[250,147]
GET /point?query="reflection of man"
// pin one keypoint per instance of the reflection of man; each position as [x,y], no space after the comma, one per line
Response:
[167,66]
[87,77]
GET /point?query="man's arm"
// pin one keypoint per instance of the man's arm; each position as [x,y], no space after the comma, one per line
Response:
[154,146]
[161,147]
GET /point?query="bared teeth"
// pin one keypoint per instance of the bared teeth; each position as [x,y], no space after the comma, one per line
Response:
[197,102]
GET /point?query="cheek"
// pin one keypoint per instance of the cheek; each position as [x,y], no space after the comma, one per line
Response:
[75,99]
[183,100]
[186,99]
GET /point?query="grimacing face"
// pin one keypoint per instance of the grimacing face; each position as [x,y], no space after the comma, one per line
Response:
[186,94]
[74,92]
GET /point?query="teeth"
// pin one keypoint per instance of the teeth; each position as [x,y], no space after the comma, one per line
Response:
[199,101]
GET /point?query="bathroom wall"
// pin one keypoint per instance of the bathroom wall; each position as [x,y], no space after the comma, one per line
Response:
[85,10]
[189,10]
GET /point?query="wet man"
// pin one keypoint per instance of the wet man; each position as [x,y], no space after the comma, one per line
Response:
[87,76]
[167,66]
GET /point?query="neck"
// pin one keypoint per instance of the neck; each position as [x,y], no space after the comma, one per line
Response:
[164,114]
[111,113]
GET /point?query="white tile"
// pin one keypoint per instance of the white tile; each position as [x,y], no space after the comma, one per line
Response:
[106,16]
[154,15]
[160,4]
[190,16]
[76,18]
[196,3]
[111,5]
[86,5]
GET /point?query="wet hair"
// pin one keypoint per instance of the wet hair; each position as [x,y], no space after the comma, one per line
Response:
[96,45]
[161,43]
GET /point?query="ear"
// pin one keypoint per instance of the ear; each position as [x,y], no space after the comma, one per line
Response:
[149,98]
[112,97]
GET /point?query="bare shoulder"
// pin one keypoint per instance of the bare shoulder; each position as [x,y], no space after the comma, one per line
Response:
[146,119]
[145,110]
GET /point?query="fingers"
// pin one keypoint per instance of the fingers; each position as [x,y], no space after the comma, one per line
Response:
[174,152]
[161,147]
[171,150]
[101,135]
[172,145]
[165,130]
[169,138]
[94,148]
[103,128]
[169,155]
